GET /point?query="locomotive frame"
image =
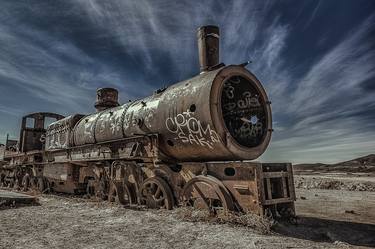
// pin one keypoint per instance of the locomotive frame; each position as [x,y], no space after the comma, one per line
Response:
[130,155]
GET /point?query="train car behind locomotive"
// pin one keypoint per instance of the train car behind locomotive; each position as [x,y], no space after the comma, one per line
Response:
[184,145]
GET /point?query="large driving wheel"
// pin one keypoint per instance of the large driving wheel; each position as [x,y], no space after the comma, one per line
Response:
[156,193]
[207,192]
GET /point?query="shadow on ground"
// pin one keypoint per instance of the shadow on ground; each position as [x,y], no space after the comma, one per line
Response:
[323,230]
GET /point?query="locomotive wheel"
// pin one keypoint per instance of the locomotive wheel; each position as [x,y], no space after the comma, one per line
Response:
[156,193]
[2,180]
[41,185]
[34,183]
[112,195]
[124,195]
[207,192]
[90,188]
[11,183]
[26,182]
[121,194]
[17,184]
[102,190]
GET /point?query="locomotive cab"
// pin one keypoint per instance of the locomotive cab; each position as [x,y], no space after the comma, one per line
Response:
[33,128]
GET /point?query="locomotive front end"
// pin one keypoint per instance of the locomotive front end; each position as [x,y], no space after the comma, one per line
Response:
[241,112]
[222,114]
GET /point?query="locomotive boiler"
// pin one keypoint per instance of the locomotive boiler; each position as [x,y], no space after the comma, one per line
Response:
[187,144]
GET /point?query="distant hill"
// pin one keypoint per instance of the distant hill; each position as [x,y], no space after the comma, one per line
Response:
[361,164]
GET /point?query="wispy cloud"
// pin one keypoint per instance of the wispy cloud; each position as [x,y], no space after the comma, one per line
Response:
[332,115]
[322,102]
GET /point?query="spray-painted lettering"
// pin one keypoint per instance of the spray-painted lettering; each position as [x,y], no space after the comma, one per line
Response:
[190,130]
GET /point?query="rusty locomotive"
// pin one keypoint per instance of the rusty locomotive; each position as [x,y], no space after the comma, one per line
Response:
[187,144]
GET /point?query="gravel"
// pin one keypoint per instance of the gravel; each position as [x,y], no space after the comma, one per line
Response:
[65,222]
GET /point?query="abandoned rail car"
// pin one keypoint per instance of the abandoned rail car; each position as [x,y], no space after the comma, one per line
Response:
[187,144]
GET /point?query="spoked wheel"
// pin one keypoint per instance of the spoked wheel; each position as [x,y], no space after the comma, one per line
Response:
[2,180]
[156,193]
[126,196]
[103,189]
[121,194]
[113,189]
[207,192]
[26,182]
[11,183]
[34,183]
[17,184]
[42,185]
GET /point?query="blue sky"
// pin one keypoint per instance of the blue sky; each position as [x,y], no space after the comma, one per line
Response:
[316,60]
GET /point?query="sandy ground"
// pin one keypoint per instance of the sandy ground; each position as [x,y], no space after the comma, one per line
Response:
[327,219]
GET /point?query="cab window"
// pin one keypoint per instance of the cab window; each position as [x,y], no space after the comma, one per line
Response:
[30,122]
[48,121]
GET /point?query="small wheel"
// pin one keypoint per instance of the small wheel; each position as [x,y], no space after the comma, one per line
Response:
[207,192]
[2,180]
[125,195]
[17,184]
[156,193]
[41,185]
[90,188]
[121,194]
[11,183]
[102,192]
[26,182]
[34,183]
[112,195]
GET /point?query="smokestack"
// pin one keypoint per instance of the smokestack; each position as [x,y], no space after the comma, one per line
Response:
[106,98]
[208,47]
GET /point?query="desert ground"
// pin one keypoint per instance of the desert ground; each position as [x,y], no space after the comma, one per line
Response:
[335,210]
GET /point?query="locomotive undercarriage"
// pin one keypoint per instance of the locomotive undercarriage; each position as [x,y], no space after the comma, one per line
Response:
[132,172]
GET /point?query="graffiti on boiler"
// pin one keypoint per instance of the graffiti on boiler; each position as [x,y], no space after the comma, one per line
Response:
[190,130]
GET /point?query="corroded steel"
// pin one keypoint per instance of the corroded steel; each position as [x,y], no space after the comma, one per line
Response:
[33,128]
[208,47]
[106,98]
[219,115]
[58,134]
[159,151]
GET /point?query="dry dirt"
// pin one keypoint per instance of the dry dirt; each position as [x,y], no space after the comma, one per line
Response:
[328,218]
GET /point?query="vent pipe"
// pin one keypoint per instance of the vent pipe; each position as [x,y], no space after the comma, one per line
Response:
[208,47]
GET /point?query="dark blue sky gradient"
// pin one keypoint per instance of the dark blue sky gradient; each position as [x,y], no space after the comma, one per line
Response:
[316,60]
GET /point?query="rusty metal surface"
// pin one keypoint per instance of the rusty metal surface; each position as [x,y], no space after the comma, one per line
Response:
[108,126]
[58,134]
[208,47]
[196,119]
[159,151]
[31,134]
[106,98]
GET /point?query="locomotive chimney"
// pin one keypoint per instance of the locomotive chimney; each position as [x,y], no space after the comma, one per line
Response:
[106,98]
[208,47]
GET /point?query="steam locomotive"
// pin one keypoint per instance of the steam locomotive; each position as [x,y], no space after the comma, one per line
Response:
[187,144]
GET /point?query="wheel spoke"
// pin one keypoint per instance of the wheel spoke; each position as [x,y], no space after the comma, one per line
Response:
[207,192]
[160,195]
[160,201]
[158,192]
[201,195]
